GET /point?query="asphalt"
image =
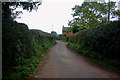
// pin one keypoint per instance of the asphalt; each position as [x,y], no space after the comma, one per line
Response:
[61,62]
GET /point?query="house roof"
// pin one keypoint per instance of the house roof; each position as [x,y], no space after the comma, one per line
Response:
[65,28]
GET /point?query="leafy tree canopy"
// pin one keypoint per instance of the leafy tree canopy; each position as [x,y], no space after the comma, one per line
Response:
[9,7]
[117,14]
[90,14]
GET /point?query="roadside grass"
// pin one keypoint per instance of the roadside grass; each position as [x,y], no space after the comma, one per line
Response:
[100,43]
[110,64]
[28,65]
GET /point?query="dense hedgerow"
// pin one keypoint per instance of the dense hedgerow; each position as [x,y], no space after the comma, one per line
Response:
[22,48]
[105,39]
[44,39]
[15,43]
[101,42]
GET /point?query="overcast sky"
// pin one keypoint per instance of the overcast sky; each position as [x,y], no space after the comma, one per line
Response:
[51,15]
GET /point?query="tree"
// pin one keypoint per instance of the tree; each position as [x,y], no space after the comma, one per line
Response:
[117,14]
[77,24]
[109,11]
[9,7]
[17,42]
[54,34]
[90,14]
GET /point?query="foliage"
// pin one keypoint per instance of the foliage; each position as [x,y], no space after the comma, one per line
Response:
[100,42]
[90,14]
[8,8]
[74,24]
[117,14]
[44,39]
[16,45]
[55,35]
[105,39]
[22,48]
[69,29]
[63,37]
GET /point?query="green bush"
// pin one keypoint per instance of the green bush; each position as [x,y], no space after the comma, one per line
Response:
[15,43]
[101,43]
[105,39]
[22,49]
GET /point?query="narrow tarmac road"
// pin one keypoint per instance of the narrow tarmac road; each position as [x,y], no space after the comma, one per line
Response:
[61,62]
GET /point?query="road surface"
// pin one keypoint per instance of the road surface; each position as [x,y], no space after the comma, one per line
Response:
[61,62]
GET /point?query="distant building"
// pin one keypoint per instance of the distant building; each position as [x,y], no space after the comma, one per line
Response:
[66,32]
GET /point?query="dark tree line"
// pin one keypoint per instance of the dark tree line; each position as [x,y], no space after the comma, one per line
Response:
[17,40]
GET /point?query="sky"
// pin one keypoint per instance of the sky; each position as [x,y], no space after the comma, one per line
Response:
[51,15]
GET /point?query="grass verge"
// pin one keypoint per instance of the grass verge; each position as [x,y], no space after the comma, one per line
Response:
[110,64]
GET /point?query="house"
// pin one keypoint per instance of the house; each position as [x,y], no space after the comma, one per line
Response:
[66,31]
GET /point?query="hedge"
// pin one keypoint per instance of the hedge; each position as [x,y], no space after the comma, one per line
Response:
[105,39]
[100,42]
[22,49]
